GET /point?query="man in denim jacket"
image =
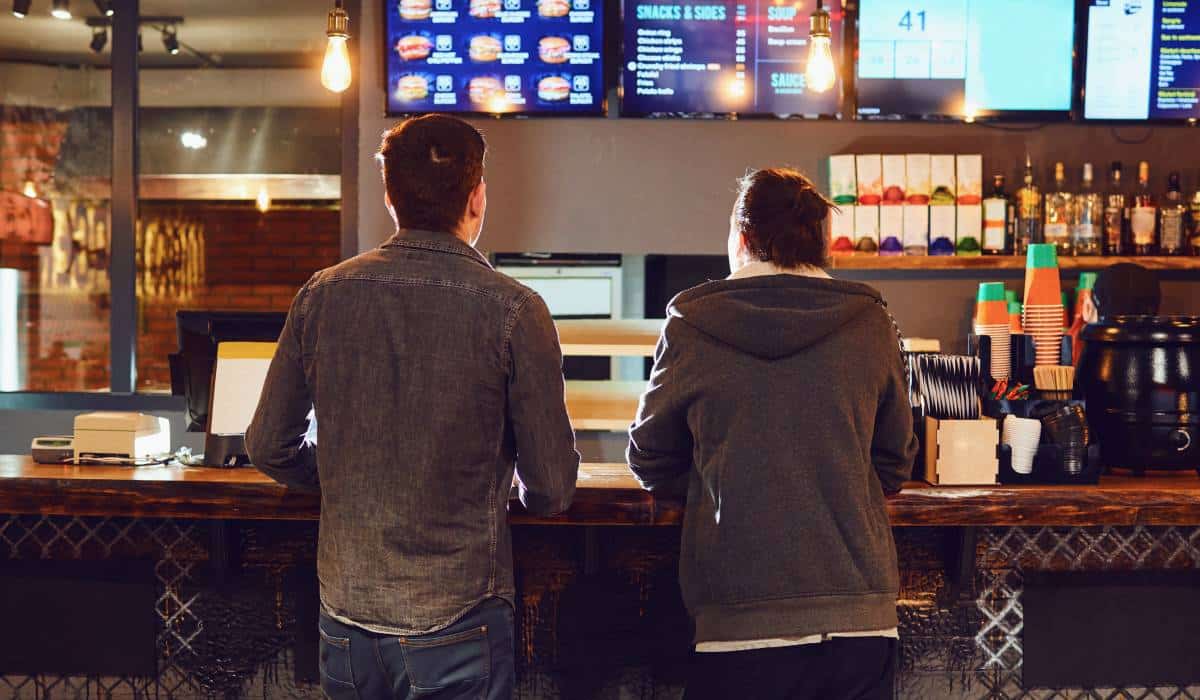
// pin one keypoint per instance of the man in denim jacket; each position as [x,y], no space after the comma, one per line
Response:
[431,376]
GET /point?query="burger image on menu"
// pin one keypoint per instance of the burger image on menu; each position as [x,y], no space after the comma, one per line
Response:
[412,88]
[485,48]
[553,8]
[414,47]
[553,49]
[483,89]
[553,88]
[415,10]
[485,9]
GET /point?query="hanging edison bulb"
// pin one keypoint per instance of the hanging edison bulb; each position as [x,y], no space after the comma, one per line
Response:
[820,72]
[335,70]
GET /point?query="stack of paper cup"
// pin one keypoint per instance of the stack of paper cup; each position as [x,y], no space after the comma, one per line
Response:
[1014,317]
[1042,317]
[991,319]
[1023,436]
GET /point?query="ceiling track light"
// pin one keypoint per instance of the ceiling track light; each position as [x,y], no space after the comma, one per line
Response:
[104,7]
[61,9]
[21,8]
[99,39]
[170,40]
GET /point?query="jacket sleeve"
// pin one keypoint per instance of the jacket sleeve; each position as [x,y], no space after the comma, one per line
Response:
[547,463]
[279,440]
[660,442]
[894,444]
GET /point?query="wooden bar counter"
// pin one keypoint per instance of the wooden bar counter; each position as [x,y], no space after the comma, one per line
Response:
[607,495]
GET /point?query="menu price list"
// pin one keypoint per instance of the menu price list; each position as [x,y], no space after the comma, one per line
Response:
[1143,59]
[1177,58]
[721,58]
[495,56]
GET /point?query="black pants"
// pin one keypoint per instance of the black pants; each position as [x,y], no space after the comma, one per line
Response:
[854,668]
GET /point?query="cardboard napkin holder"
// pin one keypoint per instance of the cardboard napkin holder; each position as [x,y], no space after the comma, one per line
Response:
[961,452]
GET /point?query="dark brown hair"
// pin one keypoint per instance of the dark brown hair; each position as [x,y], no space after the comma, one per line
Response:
[781,215]
[430,166]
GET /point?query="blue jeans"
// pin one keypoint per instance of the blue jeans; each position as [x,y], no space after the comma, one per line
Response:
[471,659]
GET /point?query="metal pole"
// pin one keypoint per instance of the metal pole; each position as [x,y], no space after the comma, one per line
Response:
[122,262]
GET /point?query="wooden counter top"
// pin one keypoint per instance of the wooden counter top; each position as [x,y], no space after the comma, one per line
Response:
[607,495]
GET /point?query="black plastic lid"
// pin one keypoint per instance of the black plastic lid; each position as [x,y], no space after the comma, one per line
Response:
[1144,329]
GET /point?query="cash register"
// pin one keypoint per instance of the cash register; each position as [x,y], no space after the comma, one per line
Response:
[219,370]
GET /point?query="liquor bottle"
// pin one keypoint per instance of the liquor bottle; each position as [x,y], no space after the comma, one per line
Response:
[1195,223]
[1029,212]
[1089,213]
[997,219]
[1143,215]
[1116,215]
[1172,217]
[1060,213]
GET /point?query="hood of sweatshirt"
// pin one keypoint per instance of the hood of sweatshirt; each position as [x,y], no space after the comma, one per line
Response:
[773,316]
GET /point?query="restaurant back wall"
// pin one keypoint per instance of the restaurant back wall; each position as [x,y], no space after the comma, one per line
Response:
[666,186]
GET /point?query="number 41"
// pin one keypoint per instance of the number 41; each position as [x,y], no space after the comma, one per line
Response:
[906,21]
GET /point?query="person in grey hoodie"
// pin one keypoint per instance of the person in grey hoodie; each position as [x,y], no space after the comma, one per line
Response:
[779,403]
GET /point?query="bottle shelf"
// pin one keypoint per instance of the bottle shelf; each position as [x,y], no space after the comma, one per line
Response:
[1003,262]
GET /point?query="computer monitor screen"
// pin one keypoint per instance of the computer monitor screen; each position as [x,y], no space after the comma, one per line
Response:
[238,380]
[200,333]
[965,58]
[1143,60]
[704,57]
[540,57]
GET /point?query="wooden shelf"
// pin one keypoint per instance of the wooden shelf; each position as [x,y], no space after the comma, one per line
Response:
[604,338]
[1001,262]
[608,406]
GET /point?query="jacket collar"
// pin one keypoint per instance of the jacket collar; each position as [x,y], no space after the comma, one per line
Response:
[436,241]
[762,269]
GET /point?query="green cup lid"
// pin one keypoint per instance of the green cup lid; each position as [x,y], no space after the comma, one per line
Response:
[1087,280]
[991,291]
[1014,307]
[1010,296]
[1041,255]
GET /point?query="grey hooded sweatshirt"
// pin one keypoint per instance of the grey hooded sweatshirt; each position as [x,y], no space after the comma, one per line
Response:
[781,402]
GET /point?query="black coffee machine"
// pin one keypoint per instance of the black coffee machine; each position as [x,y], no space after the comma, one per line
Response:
[1140,377]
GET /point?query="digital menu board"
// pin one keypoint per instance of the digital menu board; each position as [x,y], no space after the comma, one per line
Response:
[1143,60]
[738,57]
[495,56]
[965,58]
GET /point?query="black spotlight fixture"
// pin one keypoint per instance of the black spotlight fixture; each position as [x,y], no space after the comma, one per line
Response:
[170,40]
[21,8]
[99,39]
[60,9]
[104,7]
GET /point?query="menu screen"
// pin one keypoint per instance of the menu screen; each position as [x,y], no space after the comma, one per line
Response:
[965,58]
[1143,59]
[495,56]
[738,57]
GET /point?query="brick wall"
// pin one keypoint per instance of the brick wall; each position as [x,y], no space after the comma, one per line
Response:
[253,262]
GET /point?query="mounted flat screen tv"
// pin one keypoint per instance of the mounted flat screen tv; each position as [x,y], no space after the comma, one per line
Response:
[706,58]
[965,59]
[521,57]
[1142,60]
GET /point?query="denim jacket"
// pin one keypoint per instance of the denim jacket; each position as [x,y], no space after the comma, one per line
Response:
[432,376]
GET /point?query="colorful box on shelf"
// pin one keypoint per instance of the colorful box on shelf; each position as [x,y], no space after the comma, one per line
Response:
[891,217]
[916,229]
[843,190]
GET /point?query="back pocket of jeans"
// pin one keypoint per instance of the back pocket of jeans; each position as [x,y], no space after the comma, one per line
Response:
[455,665]
[337,678]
